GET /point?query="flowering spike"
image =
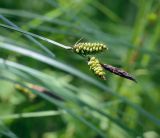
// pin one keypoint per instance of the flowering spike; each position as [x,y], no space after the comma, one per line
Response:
[118,72]
[96,67]
[89,48]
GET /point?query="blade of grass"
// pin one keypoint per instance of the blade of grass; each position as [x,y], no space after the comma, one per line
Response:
[49,16]
[26,14]
[106,11]
[32,114]
[4,131]
[36,36]
[152,44]
[50,53]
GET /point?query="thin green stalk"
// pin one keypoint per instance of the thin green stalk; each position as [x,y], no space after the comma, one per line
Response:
[106,11]
[36,36]
[32,114]
[5,132]
[50,53]
[139,29]
[152,44]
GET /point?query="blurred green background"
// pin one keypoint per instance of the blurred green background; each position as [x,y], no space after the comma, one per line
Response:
[86,107]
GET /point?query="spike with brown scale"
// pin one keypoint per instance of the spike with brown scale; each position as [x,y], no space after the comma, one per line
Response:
[118,72]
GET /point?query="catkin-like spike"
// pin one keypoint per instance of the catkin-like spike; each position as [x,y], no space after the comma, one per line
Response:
[89,48]
[96,67]
[118,72]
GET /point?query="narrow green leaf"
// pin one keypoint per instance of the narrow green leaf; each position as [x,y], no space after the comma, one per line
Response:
[4,131]
[36,36]
[29,37]
[32,114]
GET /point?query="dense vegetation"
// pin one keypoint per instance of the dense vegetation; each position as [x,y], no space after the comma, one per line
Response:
[48,91]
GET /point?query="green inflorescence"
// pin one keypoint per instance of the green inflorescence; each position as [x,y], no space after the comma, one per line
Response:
[89,48]
[96,67]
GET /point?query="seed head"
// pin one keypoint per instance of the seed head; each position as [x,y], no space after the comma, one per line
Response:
[96,67]
[89,48]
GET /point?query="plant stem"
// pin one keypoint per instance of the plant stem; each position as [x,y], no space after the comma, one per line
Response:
[36,36]
[152,44]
